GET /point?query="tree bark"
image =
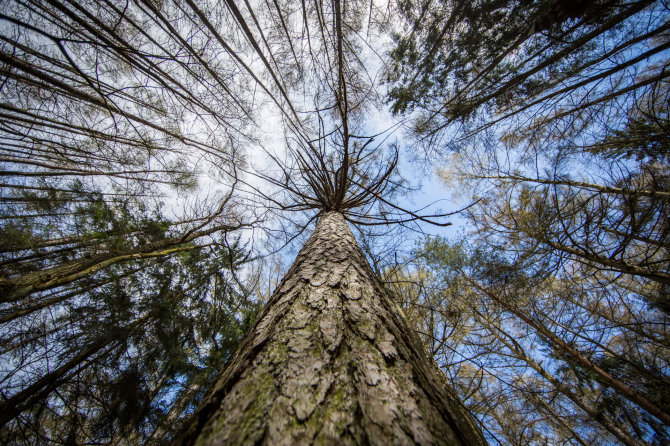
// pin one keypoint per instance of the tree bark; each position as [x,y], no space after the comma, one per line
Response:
[331,360]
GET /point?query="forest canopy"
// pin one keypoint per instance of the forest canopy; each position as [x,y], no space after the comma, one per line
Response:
[161,161]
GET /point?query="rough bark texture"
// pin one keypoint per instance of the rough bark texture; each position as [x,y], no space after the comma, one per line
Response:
[331,360]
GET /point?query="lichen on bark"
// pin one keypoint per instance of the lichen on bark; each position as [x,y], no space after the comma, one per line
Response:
[330,360]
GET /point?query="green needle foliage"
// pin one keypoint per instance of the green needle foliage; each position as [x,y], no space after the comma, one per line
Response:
[552,117]
[126,343]
[537,354]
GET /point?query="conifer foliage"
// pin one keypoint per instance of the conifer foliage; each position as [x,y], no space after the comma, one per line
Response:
[134,165]
[117,307]
[553,117]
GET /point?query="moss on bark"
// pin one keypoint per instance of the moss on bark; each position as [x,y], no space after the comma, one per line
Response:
[331,360]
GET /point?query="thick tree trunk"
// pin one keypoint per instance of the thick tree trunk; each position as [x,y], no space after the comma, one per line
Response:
[331,360]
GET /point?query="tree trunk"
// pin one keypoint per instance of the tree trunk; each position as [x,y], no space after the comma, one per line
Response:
[49,382]
[559,345]
[331,360]
[17,288]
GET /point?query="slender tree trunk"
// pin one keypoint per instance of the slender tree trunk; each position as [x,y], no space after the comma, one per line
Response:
[15,289]
[173,415]
[331,360]
[14,405]
[601,418]
[560,345]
